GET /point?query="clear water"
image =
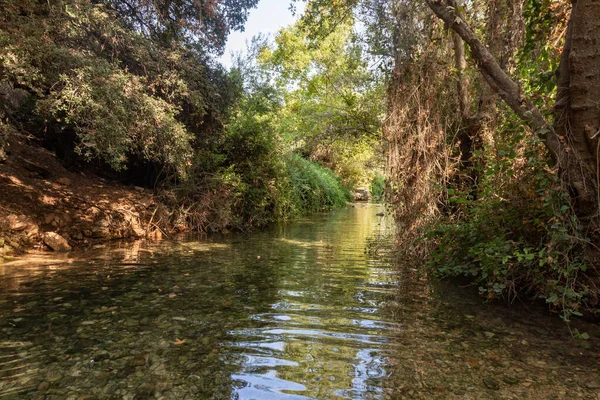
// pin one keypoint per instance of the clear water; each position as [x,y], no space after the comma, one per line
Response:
[307,310]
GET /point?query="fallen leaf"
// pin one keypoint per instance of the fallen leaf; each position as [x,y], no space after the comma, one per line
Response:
[471,362]
[178,342]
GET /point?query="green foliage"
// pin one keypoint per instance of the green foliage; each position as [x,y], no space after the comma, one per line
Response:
[114,116]
[250,149]
[333,103]
[313,187]
[127,99]
[519,235]
[205,23]
[377,187]
[539,56]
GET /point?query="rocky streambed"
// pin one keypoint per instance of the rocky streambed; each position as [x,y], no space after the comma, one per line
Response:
[314,309]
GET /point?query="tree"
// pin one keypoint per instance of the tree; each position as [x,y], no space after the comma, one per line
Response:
[573,138]
[207,22]
[516,210]
[333,101]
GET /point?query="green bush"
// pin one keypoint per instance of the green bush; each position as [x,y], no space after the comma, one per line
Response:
[126,98]
[520,239]
[114,117]
[377,187]
[313,187]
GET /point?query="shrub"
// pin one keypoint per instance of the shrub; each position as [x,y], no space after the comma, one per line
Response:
[313,187]
[113,117]
[518,236]
[377,187]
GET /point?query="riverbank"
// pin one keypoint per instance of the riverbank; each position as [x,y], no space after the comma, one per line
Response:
[47,207]
[44,206]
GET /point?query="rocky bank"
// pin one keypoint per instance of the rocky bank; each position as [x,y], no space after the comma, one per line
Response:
[45,207]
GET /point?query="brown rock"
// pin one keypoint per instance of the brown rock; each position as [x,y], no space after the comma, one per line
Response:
[17,223]
[103,223]
[56,242]
[137,231]
[101,233]
[32,230]
[64,181]
[49,218]
[76,235]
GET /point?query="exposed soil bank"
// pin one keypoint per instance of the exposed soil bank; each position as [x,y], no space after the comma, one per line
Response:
[44,206]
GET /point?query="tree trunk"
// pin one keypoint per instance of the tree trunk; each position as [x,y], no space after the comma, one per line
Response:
[460,63]
[577,108]
[465,130]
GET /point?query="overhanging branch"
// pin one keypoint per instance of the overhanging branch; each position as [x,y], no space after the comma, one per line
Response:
[497,78]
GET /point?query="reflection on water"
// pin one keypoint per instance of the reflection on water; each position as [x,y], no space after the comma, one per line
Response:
[299,312]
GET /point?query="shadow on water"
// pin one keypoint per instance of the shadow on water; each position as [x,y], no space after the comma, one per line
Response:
[299,311]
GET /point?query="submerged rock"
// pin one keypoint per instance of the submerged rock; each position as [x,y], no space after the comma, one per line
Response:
[491,383]
[593,384]
[361,194]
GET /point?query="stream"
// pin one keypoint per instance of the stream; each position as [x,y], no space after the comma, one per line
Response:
[312,309]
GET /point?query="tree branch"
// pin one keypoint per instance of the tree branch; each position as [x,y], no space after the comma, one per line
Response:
[497,78]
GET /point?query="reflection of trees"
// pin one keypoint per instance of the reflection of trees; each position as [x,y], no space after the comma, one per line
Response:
[218,300]
[325,284]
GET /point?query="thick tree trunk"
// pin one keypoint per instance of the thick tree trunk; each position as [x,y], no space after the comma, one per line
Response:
[577,108]
[574,143]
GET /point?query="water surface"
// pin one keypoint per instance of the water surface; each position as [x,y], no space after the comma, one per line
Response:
[314,309]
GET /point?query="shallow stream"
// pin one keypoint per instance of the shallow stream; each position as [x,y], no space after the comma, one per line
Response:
[314,309]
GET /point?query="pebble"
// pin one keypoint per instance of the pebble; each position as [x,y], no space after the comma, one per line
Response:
[593,384]
[53,376]
[491,383]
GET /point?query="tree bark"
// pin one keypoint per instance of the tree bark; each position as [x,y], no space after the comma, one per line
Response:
[460,63]
[577,107]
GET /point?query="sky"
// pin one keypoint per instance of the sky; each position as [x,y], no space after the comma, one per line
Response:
[267,18]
